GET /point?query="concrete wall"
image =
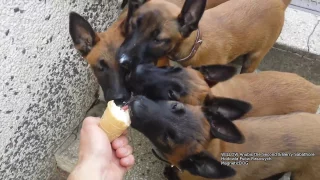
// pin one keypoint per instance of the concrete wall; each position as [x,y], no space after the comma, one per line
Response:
[46,88]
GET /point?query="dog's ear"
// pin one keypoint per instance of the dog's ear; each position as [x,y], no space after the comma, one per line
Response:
[219,113]
[124,3]
[204,165]
[231,109]
[82,34]
[133,5]
[214,74]
[223,128]
[190,16]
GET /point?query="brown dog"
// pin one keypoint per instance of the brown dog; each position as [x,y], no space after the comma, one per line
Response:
[269,92]
[157,28]
[99,50]
[192,138]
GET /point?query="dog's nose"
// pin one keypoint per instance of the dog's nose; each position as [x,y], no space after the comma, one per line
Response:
[140,69]
[119,98]
[124,61]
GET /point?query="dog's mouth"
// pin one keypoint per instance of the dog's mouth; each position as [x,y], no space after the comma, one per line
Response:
[120,102]
[137,112]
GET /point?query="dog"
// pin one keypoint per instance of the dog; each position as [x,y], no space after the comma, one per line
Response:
[99,50]
[193,138]
[269,92]
[192,36]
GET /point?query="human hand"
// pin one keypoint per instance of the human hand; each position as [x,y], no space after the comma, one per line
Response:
[98,159]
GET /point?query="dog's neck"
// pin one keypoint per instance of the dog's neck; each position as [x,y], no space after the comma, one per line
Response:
[216,147]
[183,52]
[186,50]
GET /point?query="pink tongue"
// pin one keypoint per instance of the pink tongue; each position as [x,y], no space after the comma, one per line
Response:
[126,107]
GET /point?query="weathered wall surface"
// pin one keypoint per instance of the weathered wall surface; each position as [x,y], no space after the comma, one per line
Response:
[45,87]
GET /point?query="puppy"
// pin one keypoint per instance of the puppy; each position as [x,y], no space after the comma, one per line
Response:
[192,138]
[269,92]
[192,36]
[99,50]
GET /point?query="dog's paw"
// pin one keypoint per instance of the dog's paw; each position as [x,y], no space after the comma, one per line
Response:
[171,173]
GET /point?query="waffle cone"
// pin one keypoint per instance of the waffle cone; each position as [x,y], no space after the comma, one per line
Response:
[111,124]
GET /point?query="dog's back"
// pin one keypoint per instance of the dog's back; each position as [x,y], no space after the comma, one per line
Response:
[294,133]
[271,92]
[240,27]
[287,134]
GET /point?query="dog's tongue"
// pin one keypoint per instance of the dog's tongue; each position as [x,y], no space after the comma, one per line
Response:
[126,107]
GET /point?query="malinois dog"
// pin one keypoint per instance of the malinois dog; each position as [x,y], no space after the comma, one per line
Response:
[269,92]
[194,138]
[236,28]
[99,49]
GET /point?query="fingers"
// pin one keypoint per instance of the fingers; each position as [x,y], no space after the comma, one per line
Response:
[93,140]
[124,151]
[120,142]
[88,121]
[127,162]
[125,132]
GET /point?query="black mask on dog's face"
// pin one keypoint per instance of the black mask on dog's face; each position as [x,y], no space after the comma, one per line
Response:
[153,32]
[158,83]
[187,85]
[182,132]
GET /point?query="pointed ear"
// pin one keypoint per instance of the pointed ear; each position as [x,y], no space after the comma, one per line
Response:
[223,128]
[204,165]
[190,16]
[231,109]
[216,73]
[132,7]
[82,34]
[124,3]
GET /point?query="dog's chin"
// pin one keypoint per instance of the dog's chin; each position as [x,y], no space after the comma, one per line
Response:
[136,115]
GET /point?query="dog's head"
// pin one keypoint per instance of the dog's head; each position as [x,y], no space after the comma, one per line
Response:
[182,132]
[187,85]
[99,50]
[154,28]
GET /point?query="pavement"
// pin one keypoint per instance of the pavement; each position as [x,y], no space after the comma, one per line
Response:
[297,50]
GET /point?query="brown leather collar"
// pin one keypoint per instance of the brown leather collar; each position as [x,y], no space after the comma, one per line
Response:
[161,159]
[194,49]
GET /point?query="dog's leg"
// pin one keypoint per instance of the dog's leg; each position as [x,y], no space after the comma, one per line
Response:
[275,177]
[251,61]
[171,173]
[305,173]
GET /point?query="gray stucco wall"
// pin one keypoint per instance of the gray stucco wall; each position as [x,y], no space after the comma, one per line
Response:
[46,88]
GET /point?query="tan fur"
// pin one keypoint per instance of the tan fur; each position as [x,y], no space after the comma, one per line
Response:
[112,38]
[269,92]
[232,29]
[291,133]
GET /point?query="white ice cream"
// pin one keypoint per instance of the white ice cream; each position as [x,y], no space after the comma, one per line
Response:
[119,113]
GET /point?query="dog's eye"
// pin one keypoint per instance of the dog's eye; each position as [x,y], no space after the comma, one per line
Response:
[139,20]
[172,95]
[158,41]
[177,107]
[103,65]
